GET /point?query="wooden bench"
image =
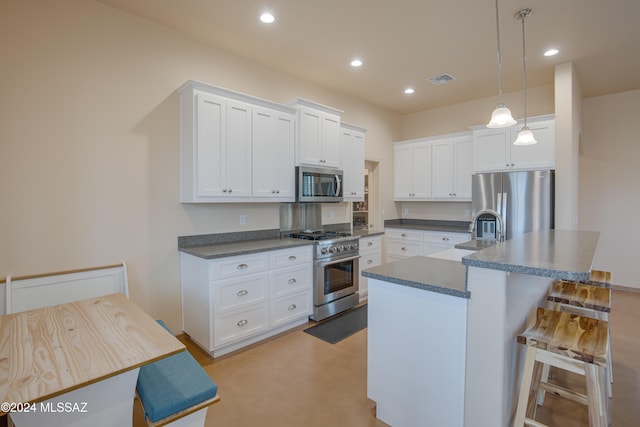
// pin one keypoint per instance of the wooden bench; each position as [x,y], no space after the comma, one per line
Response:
[175,391]
[44,290]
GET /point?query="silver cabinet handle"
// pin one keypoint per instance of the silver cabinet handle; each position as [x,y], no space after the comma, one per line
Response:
[242,266]
[403,248]
[242,323]
[446,239]
[369,261]
[292,258]
[403,235]
[230,190]
[292,281]
[242,293]
[292,307]
[370,244]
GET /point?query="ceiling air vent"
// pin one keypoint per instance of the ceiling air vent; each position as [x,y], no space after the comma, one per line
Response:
[441,79]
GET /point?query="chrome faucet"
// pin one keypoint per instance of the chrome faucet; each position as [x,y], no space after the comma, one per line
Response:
[500,235]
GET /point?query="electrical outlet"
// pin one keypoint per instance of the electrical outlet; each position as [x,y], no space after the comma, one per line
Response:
[405,211]
[243,219]
[467,212]
[332,214]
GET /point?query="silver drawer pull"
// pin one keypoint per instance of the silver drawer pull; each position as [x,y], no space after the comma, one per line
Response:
[369,261]
[292,258]
[242,266]
[292,281]
[446,239]
[403,235]
[292,307]
[242,323]
[242,293]
[370,244]
[403,248]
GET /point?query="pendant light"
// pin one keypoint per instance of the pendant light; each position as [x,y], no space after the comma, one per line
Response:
[501,116]
[525,136]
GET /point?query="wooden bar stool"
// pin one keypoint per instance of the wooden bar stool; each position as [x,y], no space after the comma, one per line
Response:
[566,341]
[600,278]
[585,300]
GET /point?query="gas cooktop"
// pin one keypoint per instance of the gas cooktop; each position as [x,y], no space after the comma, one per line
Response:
[318,235]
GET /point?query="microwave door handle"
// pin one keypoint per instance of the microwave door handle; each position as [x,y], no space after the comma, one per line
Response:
[338,184]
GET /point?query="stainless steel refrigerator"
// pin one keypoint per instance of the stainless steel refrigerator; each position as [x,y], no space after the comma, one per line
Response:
[525,200]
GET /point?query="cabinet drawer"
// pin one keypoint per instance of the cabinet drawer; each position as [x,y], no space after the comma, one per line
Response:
[404,249]
[292,279]
[237,293]
[288,257]
[240,265]
[370,260]
[440,237]
[237,326]
[287,309]
[370,244]
[402,234]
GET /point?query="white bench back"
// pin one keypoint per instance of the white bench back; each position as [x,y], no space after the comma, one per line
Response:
[43,290]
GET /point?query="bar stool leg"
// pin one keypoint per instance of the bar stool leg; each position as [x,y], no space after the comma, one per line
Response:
[525,386]
[598,415]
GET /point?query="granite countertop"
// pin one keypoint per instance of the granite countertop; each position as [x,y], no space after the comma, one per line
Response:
[559,254]
[221,250]
[368,233]
[429,225]
[476,245]
[431,274]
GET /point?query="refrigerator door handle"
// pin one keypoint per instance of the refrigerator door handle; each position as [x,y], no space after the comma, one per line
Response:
[504,215]
[499,203]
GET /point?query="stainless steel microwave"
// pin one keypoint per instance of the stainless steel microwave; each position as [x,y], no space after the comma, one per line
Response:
[318,185]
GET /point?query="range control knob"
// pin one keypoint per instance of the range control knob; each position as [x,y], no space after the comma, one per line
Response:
[355,246]
[324,251]
[340,248]
[349,247]
[333,249]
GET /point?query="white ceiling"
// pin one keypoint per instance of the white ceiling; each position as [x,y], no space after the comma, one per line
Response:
[403,42]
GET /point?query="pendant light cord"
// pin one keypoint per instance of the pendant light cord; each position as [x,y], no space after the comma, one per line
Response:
[521,15]
[499,59]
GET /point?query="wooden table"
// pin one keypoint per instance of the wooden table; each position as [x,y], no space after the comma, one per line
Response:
[76,364]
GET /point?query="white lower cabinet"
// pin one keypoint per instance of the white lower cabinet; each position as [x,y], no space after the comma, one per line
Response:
[370,256]
[405,243]
[229,303]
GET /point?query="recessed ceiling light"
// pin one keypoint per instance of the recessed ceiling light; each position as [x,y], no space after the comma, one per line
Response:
[356,63]
[267,18]
[409,90]
[551,52]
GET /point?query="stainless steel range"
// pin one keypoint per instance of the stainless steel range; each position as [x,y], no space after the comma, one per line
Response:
[336,271]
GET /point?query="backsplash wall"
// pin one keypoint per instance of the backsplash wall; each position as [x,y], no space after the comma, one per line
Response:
[453,211]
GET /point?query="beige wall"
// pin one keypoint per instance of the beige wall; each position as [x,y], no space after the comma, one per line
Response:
[89,143]
[609,198]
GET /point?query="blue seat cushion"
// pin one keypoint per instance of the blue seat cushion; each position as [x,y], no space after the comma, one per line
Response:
[173,384]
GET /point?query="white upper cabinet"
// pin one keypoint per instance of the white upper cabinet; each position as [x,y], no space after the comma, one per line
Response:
[273,155]
[493,149]
[318,134]
[433,169]
[352,143]
[221,132]
[412,171]
[452,167]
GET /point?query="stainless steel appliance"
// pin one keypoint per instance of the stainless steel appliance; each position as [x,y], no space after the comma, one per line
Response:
[336,271]
[509,204]
[318,185]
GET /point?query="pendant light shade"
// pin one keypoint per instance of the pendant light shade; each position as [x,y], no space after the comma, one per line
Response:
[501,116]
[525,136]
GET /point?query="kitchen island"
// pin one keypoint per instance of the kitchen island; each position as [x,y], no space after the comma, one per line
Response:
[437,357]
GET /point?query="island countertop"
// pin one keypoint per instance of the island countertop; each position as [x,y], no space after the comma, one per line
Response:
[558,254]
[430,274]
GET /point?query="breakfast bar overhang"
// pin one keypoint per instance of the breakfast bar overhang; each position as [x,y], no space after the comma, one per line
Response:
[444,341]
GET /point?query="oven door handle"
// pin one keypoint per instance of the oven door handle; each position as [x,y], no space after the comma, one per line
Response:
[323,263]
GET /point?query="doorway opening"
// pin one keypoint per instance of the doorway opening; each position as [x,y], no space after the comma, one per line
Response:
[364,213]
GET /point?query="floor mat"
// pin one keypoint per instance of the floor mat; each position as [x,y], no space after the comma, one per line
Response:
[342,326]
